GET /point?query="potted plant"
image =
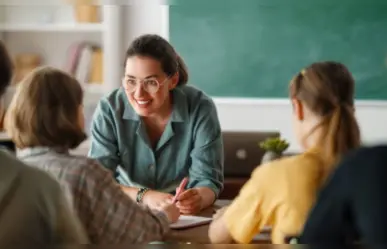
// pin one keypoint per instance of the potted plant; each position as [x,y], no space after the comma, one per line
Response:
[273,147]
[86,11]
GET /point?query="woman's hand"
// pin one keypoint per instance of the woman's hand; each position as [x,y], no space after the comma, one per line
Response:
[153,199]
[189,201]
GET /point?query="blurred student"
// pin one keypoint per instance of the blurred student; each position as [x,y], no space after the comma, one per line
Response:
[33,207]
[45,120]
[280,193]
[352,206]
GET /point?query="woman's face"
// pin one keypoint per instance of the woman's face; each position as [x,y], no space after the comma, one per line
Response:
[142,74]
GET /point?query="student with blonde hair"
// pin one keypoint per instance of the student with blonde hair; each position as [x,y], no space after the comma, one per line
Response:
[34,209]
[281,193]
[45,120]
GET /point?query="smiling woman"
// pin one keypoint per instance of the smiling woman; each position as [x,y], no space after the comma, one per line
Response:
[159,130]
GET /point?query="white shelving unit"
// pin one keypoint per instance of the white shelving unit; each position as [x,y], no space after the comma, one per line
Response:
[65,27]
[49,28]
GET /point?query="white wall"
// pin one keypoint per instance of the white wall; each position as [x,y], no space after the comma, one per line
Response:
[275,114]
[146,17]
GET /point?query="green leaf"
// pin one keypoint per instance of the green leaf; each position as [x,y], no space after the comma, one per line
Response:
[275,144]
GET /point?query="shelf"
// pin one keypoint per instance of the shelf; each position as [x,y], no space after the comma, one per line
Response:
[60,27]
[93,88]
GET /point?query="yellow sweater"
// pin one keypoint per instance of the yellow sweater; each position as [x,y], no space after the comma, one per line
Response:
[279,194]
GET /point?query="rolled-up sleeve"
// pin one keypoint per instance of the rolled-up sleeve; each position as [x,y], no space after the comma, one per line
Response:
[104,144]
[207,155]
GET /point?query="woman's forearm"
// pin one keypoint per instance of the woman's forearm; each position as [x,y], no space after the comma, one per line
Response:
[207,196]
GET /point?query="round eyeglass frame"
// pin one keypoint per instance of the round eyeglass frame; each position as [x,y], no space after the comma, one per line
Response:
[141,81]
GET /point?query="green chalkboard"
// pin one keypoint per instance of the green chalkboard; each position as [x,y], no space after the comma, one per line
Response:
[252,48]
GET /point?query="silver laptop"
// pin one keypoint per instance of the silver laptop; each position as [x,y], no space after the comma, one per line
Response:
[242,153]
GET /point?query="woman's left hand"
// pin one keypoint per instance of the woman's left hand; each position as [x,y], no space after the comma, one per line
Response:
[189,201]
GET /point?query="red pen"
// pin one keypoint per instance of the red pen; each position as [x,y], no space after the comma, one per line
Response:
[180,188]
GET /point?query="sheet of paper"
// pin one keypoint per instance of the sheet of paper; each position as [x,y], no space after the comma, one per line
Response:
[187,221]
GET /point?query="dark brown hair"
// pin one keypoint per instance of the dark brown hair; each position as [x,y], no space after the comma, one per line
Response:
[6,69]
[158,48]
[45,110]
[327,88]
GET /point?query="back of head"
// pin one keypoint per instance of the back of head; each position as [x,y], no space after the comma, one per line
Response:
[156,47]
[327,89]
[45,111]
[6,69]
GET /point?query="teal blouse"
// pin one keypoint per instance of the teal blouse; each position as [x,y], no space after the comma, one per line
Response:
[191,144]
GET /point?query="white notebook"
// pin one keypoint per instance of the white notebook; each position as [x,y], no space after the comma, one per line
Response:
[188,221]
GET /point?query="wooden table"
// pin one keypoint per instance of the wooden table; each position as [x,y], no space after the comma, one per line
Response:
[199,235]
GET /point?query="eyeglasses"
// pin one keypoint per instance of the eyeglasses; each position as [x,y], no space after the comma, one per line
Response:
[149,85]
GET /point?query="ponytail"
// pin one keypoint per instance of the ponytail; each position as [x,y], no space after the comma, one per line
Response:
[341,134]
[327,89]
[182,70]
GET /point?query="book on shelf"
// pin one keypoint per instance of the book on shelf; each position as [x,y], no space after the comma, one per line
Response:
[85,63]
